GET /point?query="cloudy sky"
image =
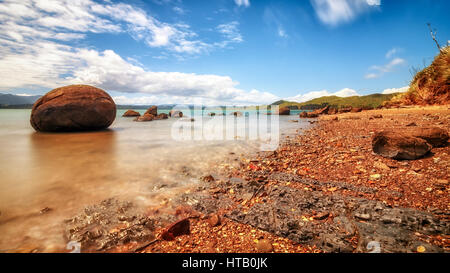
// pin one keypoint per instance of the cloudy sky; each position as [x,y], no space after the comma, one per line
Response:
[217,52]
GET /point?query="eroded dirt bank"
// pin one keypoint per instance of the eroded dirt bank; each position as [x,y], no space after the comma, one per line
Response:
[324,190]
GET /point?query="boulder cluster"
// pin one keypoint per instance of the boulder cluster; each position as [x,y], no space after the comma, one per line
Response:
[151,114]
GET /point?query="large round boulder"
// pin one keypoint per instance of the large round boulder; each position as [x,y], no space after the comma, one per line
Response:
[73,108]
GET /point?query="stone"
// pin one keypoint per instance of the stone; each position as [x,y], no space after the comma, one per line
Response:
[381,165]
[264,246]
[214,220]
[399,146]
[375,176]
[363,216]
[321,216]
[208,178]
[435,136]
[131,113]
[152,111]
[178,228]
[73,108]
[145,117]
[356,110]
[161,116]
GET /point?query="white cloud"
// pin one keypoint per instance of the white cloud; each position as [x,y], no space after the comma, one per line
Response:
[334,12]
[273,19]
[346,92]
[109,71]
[392,52]
[396,90]
[44,64]
[66,20]
[32,52]
[179,10]
[245,3]
[231,33]
[381,70]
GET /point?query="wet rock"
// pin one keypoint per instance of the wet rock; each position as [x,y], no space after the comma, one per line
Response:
[109,224]
[236,114]
[303,114]
[212,114]
[264,246]
[161,116]
[178,228]
[153,110]
[145,117]
[131,113]
[73,108]
[399,146]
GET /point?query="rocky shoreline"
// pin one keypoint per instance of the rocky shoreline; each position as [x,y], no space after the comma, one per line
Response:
[322,191]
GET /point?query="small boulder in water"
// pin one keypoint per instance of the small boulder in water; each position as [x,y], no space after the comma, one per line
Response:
[145,117]
[131,113]
[161,116]
[152,111]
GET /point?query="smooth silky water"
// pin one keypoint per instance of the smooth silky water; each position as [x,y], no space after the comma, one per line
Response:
[135,161]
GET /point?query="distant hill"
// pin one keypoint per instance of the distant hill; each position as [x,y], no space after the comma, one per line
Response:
[10,100]
[372,101]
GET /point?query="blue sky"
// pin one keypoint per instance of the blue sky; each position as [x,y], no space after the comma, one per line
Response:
[230,52]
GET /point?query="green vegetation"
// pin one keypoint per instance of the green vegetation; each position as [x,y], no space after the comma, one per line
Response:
[369,101]
[430,85]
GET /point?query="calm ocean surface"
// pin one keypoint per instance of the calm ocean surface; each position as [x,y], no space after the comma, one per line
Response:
[68,171]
